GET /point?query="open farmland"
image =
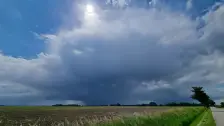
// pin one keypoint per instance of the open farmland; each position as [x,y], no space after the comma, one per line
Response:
[32,114]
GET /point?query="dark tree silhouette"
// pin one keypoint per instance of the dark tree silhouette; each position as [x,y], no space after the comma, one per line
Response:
[211,102]
[118,104]
[152,104]
[201,96]
[222,104]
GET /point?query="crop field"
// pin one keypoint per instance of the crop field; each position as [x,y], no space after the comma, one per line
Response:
[30,115]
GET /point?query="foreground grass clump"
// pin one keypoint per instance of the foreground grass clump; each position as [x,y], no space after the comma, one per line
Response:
[205,119]
[176,117]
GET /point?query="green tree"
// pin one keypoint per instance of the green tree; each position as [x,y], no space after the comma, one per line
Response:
[222,104]
[211,102]
[201,96]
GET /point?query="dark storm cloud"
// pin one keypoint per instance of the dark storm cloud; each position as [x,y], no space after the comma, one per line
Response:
[104,62]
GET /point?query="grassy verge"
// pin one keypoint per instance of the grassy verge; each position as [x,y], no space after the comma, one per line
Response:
[205,119]
[176,117]
[198,119]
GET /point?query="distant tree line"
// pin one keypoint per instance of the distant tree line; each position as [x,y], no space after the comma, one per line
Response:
[167,104]
[67,105]
[149,104]
[155,104]
[182,104]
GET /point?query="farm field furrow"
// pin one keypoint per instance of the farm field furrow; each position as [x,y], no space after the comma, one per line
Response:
[23,114]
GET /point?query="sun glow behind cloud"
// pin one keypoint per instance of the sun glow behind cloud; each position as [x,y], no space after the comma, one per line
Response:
[89,8]
[90,15]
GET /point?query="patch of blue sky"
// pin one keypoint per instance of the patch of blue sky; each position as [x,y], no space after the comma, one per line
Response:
[20,19]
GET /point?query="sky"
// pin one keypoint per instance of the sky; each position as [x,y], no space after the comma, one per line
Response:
[107,51]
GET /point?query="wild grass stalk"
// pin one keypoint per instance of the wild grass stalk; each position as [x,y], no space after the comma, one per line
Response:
[177,117]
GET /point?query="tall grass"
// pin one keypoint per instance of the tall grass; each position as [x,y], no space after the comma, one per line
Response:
[177,117]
